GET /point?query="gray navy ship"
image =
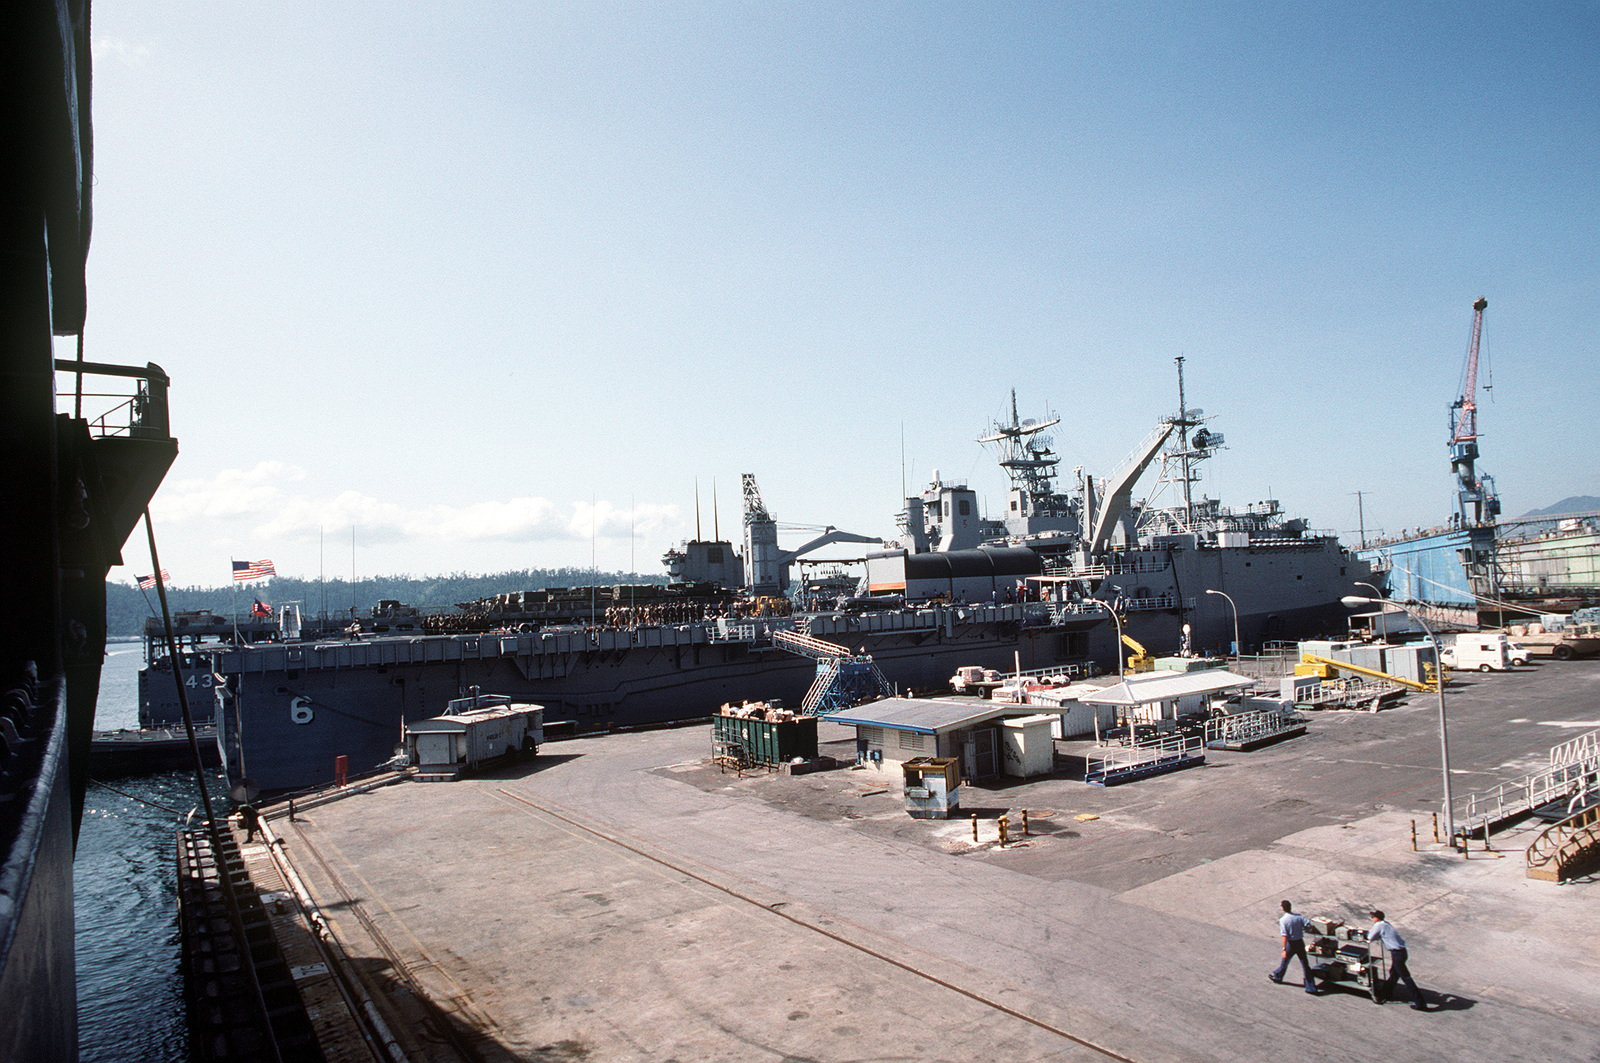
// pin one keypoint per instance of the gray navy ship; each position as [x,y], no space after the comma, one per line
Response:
[1053,585]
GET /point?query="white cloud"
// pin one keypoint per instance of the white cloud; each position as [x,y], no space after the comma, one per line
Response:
[129,53]
[262,500]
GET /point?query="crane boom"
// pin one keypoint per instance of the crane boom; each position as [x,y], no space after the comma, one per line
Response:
[1465,428]
[1476,504]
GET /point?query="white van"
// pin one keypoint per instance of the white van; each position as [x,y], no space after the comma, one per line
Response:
[1484,652]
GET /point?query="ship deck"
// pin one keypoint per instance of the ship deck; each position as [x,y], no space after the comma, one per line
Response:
[620,898]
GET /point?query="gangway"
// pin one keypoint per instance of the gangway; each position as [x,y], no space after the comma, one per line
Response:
[1573,772]
[1111,765]
[843,678]
[1243,731]
[1373,673]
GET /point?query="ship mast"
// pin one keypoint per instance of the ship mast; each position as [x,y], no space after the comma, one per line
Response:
[1183,449]
[1026,456]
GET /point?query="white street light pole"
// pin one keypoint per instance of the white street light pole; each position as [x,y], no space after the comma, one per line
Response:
[1238,647]
[1118,619]
[1438,678]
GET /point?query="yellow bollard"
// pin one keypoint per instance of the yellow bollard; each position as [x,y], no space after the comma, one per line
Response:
[974,826]
[1436,828]
[1005,830]
[1413,835]
[1025,831]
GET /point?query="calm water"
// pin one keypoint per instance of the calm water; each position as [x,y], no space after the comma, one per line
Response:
[130,990]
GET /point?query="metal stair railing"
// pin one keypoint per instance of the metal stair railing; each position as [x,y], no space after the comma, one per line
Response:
[1523,795]
[1560,849]
[827,672]
[809,646]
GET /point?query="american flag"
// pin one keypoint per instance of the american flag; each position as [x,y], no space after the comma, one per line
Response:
[147,582]
[243,570]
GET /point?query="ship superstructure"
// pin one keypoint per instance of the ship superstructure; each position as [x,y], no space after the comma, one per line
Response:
[1152,561]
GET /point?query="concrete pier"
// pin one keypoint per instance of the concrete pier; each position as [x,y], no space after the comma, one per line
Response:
[618,898]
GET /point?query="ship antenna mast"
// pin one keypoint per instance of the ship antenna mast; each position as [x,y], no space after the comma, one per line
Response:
[1183,449]
[1027,456]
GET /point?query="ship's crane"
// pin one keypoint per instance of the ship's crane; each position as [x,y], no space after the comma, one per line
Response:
[1476,502]
[766,565]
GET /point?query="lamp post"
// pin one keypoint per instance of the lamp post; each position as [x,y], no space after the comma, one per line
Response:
[1438,679]
[1238,647]
[1118,619]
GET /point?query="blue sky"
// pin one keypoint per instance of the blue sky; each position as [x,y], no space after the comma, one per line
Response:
[495,285]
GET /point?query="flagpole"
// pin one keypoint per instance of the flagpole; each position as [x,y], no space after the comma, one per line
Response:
[235,583]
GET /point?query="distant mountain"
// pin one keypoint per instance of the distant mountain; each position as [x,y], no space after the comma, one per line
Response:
[1575,504]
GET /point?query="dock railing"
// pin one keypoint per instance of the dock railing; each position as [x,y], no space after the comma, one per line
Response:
[1109,765]
[1576,775]
[1247,727]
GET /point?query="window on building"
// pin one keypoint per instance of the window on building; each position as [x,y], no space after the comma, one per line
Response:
[912,740]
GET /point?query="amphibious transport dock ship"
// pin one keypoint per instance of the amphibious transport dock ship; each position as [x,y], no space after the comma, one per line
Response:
[1054,586]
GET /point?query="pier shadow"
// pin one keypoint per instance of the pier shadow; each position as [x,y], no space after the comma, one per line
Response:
[522,768]
[424,1028]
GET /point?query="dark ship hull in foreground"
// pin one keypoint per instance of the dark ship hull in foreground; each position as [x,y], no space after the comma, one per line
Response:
[74,483]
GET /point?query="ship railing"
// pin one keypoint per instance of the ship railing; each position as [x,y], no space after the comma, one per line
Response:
[756,632]
[1061,612]
[133,407]
[1162,602]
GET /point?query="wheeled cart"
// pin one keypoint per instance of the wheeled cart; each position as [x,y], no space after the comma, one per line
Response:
[1342,954]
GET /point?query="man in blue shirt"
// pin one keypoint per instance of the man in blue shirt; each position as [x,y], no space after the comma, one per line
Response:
[1395,945]
[1292,933]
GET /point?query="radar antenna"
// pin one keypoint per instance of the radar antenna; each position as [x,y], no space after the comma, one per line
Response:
[1025,454]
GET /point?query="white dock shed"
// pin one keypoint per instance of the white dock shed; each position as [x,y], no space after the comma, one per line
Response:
[1156,696]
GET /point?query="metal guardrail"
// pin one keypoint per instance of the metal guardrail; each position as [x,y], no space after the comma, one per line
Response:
[1560,846]
[1488,807]
[135,409]
[1251,726]
[1109,765]
[1584,747]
